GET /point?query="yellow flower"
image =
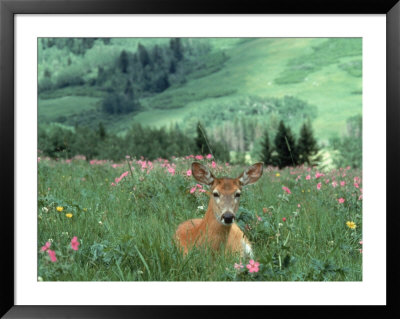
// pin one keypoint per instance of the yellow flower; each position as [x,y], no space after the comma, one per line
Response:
[69,215]
[60,208]
[277,174]
[351,225]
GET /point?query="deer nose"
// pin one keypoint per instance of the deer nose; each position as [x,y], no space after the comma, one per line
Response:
[228,217]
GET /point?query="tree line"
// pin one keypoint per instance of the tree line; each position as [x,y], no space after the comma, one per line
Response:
[286,151]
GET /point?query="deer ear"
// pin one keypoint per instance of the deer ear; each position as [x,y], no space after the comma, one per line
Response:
[202,174]
[251,174]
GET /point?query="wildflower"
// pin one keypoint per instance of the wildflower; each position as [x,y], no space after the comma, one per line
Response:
[284,219]
[60,208]
[341,200]
[308,177]
[342,183]
[259,218]
[286,189]
[238,266]
[318,175]
[298,205]
[319,186]
[45,209]
[334,184]
[127,157]
[209,156]
[52,255]
[200,207]
[46,246]
[356,185]
[213,164]
[75,243]
[199,157]
[192,190]
[69,215]
[360,242]
[360,197]
[252,266]
[277,174]
[351,225]
[171,170]
[189,172]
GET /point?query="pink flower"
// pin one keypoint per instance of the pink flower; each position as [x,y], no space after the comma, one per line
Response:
[319,186]
[361,242]
[356,185]
[252,266]
[287,190]
[192,190]
[360,197]
[209,156]
[199,186]
[259,218]
[75,243]
[202,190]
[238,266]
[342,183]
[327,181]
[341,200]
[318,175]
[213,164]
[52,255]
[189,172]
[334,184]
[199,157]
[284,219]
[298,205]
[308,177]
[46,246]
[171,170]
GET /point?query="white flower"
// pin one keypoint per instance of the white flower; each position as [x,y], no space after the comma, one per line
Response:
[200,207]
[45,209]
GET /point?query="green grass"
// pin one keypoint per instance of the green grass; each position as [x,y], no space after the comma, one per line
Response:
[63,107]
[333,84]
[125,231]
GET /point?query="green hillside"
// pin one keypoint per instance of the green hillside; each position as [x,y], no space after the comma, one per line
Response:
[324,73]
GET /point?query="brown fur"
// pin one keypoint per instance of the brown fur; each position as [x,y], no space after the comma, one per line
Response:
[208,230]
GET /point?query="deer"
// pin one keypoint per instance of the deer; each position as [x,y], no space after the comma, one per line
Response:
[217,228]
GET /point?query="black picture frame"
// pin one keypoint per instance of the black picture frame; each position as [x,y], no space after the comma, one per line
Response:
[8,10]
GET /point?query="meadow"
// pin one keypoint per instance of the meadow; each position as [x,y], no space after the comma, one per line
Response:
[105,221]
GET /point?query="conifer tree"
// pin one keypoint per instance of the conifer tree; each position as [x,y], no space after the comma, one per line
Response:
[266,152]
[307,145]
[285,147]
[201,140]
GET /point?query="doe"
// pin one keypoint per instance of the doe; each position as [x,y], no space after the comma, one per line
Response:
[217,229]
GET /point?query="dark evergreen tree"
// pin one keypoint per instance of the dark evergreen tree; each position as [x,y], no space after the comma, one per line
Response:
[144,57]
[266,152]
[201,140]
[285,147]
[307,145]
[102,131]
[123,61]
[177,48]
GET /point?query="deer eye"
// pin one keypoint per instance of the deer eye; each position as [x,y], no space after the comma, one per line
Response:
[237,195]
[216,195]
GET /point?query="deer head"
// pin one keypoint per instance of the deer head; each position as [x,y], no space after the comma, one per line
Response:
[225,192]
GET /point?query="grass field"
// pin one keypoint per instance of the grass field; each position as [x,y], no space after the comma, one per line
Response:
[125,227]
[325,73]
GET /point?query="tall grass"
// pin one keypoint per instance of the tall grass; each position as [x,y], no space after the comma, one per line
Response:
[126,231]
